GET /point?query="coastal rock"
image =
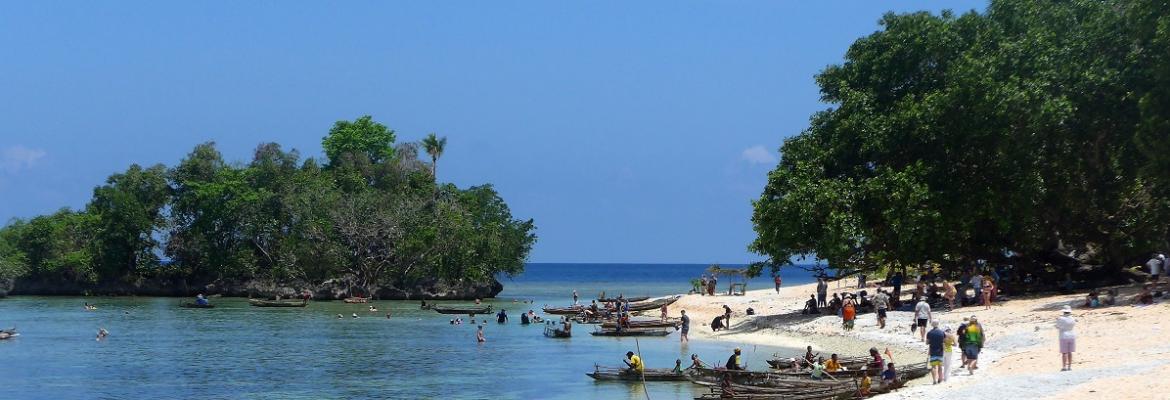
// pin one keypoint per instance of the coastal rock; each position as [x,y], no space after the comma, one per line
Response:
[6,286]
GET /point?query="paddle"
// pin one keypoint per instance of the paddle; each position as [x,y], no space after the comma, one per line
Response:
[638,346]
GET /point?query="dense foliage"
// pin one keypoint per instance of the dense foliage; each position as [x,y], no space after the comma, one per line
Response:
[373,214]
[1035,133]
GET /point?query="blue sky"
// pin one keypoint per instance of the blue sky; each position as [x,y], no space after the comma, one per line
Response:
[630,131]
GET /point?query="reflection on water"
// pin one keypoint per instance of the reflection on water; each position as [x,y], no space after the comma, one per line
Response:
[158,350]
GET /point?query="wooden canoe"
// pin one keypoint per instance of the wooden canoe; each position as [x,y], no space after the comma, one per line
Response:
[622,374]
[356,300]
[657,323]
[570,310]
[469,310]
[632,332]
[629,299]
[278,303]
[653,304]
[847,362]
[822,390]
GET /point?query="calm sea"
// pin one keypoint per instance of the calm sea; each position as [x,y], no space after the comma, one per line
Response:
[159,351]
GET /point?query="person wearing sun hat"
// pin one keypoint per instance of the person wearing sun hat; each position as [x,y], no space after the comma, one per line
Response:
[1068,339]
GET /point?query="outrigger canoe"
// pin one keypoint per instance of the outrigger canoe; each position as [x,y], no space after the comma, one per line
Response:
[469,310]
[632,332]
[623,374]
[278,303]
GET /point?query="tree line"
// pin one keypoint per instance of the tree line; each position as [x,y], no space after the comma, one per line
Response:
[370,212]
[1034,133]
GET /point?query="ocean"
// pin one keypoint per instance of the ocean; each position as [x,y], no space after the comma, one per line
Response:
[157,350]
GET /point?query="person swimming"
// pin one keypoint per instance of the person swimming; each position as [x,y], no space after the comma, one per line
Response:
[355,315]
[102,334]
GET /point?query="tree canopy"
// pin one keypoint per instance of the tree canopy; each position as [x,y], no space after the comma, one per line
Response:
[369,215]
[1034,133]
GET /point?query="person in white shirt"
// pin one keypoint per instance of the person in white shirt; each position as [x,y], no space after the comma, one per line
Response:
[923,316]
[977,284]
[1068,339]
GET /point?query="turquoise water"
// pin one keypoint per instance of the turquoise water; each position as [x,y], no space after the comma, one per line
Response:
[159,351]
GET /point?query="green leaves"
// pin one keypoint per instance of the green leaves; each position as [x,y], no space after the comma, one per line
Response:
[1015,129]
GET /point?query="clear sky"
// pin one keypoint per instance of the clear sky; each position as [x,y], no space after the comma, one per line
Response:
[630,131]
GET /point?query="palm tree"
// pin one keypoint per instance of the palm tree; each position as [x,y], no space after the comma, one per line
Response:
[434,146]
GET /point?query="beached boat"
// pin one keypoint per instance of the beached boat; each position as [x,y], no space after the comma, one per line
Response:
[196,305]
[356,300]
[656,323]
[469,310]
[622,374]
[278,303]
[553,332]
[632,332]
[653,304]
[570,310]
[794,379]
[813,389]
[629,299]
[788,363]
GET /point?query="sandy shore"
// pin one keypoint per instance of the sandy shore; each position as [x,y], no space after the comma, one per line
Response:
[1121,350]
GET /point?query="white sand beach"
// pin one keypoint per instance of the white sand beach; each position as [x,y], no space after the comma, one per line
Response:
[1121,350]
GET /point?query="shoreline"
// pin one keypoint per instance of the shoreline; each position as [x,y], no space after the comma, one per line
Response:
[1121,350]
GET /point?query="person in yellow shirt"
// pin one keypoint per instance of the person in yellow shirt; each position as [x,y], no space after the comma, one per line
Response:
[833,365]
[634,363]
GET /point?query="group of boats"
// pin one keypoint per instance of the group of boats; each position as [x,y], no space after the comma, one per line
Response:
[791,381]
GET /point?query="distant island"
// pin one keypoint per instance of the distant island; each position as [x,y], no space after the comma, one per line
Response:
[369,219]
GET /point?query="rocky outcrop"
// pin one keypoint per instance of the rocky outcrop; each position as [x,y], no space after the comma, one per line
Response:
[5,286]
[334,289]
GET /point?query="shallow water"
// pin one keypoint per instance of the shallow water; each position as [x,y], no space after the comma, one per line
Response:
[158,350]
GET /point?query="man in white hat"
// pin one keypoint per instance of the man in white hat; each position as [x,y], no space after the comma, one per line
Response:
[1068,338]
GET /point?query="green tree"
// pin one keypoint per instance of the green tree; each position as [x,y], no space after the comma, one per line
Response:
[434,146]
[128,213]
[362,137]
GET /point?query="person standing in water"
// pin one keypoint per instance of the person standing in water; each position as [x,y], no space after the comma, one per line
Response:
[479,335]
[1068,339]
[686,326]
[575,302]
[502,317]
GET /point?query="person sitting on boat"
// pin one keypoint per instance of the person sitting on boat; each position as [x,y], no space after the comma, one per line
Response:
[634,363]
[818,369]
[833,364]
[733,361]
[200,300]
[696,362]
[890,375]
[502,316]
[623,322]
[677,367]
[726,386]
[863,388]
[423,305]
[592,311]
[809,356]
[524,319]
[877,358]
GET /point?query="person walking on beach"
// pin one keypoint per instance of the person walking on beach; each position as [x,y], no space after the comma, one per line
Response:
[1068,339]
[686,326]
[935,341]
[948,352]
[714,284]
[776,280]
[575,302]
[922,315]
[975,337]
[703,284]
[881,302]
[961,338]
[822,293]
[848,313]
[726,316]
[977,284]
